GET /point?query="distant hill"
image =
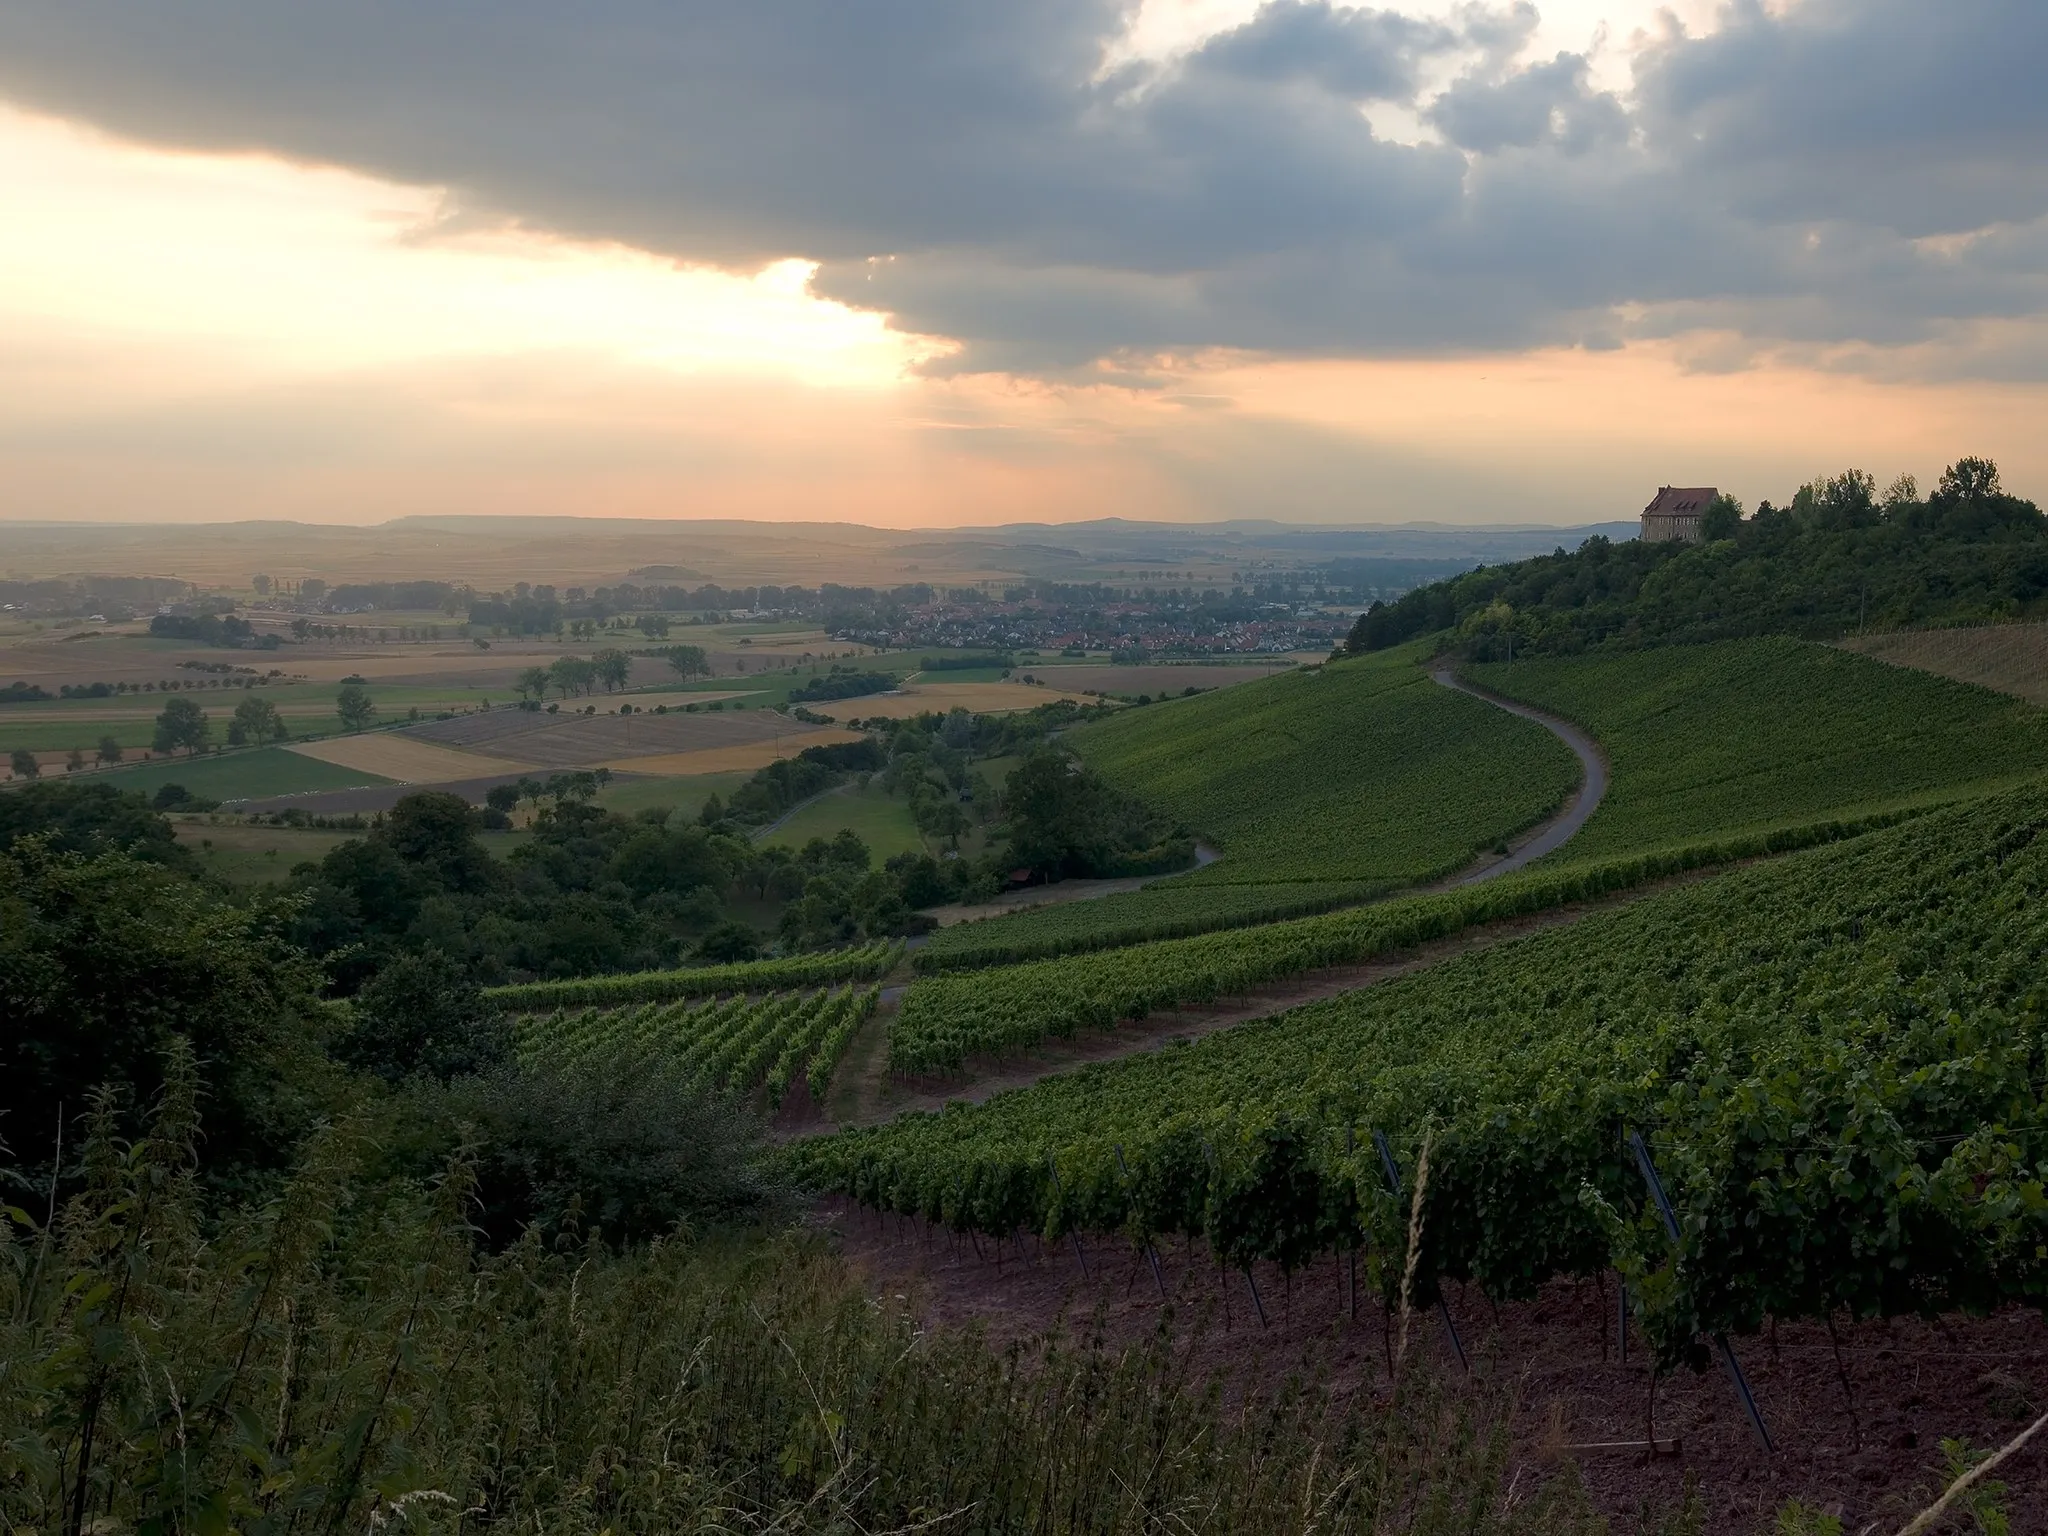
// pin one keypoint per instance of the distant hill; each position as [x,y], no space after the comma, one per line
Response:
[1838,559]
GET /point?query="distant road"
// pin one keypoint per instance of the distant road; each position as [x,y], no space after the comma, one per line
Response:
[1560,829]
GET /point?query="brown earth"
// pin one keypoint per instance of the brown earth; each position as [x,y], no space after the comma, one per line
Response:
[1861,1441]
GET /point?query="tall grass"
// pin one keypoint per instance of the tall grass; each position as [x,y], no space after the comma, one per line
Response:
[345,1357]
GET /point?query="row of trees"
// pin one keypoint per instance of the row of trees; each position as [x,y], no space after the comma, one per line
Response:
[610,669]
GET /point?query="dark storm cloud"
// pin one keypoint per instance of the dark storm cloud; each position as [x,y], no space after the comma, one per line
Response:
[979,171]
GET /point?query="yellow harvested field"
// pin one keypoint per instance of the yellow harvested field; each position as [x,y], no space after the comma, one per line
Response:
[917,698]
[405,758]
[740,759]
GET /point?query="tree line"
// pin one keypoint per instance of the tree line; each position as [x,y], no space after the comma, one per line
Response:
[1841,555]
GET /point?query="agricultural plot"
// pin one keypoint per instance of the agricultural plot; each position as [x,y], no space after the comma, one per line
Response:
[1711,740]
[950,1017]
[986,698]
[738,1046]
[737,759]
[1833,1060]
[866,962]
[1362,771]
[255,774]
[2009,658]
[403,758]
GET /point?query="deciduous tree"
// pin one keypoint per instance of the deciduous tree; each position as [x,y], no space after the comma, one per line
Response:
[183,725]
[354,706]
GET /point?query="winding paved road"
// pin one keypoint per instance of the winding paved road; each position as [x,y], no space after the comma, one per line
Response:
[1553,834]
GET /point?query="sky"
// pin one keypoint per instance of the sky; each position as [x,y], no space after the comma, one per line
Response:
[924,263]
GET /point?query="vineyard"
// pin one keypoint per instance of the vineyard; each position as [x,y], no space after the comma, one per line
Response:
[1360,771]
[947,1019]
[1836,1058]
[737,1046]
[1708,740]
[2011,658]
[1169,909]
[867,962]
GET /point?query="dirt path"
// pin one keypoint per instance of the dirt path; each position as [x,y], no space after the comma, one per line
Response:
[1561,828]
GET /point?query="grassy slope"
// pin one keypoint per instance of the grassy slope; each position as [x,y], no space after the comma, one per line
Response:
[1749,734]
[1365,770]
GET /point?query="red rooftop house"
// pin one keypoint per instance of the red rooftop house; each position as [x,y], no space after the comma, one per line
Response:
[1674,517]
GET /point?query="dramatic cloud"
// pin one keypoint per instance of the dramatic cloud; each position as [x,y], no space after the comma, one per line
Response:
[1827,174]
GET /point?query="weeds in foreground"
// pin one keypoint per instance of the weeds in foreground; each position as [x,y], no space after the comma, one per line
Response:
[347,1358]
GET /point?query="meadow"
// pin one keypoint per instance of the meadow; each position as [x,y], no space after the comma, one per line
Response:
[1748,735]
[880,820]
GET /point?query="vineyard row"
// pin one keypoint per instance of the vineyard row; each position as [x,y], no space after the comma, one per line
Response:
[736,1046]
[947,1019]
[1837,1059]
[866,962]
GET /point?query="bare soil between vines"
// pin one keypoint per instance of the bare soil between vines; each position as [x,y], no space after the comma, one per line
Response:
[1869,1452]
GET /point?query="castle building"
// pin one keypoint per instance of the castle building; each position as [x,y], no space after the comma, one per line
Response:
[1674,516]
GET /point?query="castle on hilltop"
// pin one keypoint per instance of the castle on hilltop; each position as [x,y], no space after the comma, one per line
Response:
[1674,516]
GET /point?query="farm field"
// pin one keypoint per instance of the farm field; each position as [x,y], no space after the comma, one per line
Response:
[1362,771]
[2010,658]
[1158,680]
[881,820]
[403,758]
[745,757]
[253,774]
[1711,740]
[1836,1003]
[680,797]
[985,698]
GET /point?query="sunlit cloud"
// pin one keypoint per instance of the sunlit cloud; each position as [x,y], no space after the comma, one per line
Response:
[275,265]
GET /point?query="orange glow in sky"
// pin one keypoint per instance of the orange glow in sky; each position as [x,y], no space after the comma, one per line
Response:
[207,336]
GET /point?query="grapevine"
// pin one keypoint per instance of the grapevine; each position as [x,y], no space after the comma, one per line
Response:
[1838,1058]
[866,962]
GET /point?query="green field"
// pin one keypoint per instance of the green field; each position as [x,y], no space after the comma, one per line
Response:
[1834,1056]
[882,822]
[1363,770]
[253,774]
[1712,739]
[680,797]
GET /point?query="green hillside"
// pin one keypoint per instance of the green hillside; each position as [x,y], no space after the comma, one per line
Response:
[1709,740]
[1363,770]
[1870,1005]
